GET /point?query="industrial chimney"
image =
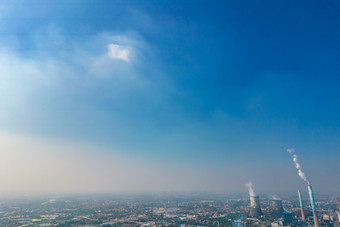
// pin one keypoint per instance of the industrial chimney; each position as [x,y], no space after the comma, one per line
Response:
[278,209]
[311,197]
[301,206]
[255,208]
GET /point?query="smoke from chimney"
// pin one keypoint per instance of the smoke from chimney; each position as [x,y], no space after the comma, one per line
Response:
[251,189]
[297,165]
[275,197]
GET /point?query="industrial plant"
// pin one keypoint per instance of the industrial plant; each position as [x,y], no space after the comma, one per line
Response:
[294,217]
[255,208]
[274,213]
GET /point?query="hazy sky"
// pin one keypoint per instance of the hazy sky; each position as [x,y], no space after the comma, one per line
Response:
[112,96]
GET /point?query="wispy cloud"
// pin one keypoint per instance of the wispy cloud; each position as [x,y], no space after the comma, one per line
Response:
[119,52]
[53,77]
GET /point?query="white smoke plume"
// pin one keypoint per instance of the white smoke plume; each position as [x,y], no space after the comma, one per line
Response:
[251,189]
[275,197]
[297,165]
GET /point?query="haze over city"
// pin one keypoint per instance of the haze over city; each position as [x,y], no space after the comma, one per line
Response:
[185,96]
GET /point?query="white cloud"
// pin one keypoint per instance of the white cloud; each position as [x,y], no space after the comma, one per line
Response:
[119,52]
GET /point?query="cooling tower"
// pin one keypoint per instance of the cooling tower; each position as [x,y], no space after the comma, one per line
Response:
[278,209]
[255,208]
[301,206]
[312,202]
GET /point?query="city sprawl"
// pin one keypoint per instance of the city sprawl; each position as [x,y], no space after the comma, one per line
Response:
[161,210]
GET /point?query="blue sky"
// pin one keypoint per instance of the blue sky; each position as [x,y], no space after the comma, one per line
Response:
[193,90]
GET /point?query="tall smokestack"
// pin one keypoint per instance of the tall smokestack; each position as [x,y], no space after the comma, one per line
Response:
[303,177]
[278,209]
[255,208]
[311,197]
[301,206]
